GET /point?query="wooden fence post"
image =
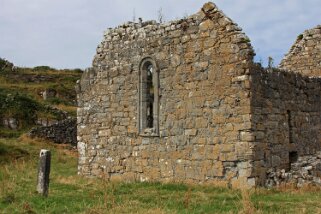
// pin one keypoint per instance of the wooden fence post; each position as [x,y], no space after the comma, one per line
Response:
[43,172]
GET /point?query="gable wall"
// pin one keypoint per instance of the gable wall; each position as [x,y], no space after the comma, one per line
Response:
[204,103]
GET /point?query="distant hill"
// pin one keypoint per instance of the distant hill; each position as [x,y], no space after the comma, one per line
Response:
[35,96]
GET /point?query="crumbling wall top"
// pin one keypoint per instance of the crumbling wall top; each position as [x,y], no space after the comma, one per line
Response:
[132,35]
[305,55]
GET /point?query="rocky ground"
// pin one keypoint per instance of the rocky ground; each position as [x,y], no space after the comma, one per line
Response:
[41,98]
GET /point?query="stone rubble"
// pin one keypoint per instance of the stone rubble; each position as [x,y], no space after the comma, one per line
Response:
[49,93]
[306,171]
[10,123]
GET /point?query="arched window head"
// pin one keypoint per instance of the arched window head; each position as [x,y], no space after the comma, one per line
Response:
[148,97]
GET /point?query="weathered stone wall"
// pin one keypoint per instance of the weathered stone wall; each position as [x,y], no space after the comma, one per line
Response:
[204,103]
[220,115]
[305,55]
[286,118]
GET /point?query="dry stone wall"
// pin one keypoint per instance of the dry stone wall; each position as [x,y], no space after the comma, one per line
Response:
[286,119]
[305,55]
[64,131]
[204,103]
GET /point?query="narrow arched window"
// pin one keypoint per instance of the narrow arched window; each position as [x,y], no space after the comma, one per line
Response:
[148,97]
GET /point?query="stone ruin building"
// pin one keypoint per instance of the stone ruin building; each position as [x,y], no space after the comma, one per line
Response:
[184,102]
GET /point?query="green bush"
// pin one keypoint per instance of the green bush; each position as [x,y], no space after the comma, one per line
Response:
[43,68]
[300,37]
[20,107]
[5,65]
[2,63]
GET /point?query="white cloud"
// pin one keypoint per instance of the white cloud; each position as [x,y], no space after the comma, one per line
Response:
[64,33]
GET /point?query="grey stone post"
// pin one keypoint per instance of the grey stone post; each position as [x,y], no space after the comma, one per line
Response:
[43,172]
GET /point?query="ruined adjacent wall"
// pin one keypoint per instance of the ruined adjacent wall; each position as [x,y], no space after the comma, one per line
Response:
[286,118]
[204,103]
[305,55]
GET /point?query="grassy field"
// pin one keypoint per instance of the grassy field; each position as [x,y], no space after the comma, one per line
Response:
[32,81]
[21,92]
[70,193]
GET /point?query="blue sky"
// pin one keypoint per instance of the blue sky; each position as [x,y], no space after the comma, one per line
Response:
[65,33]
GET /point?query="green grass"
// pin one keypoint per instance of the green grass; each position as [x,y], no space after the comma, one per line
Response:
[11,153]
[70,193]
[8,133]
[37,79]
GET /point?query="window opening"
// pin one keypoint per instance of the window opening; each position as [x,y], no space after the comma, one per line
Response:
[148,97]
